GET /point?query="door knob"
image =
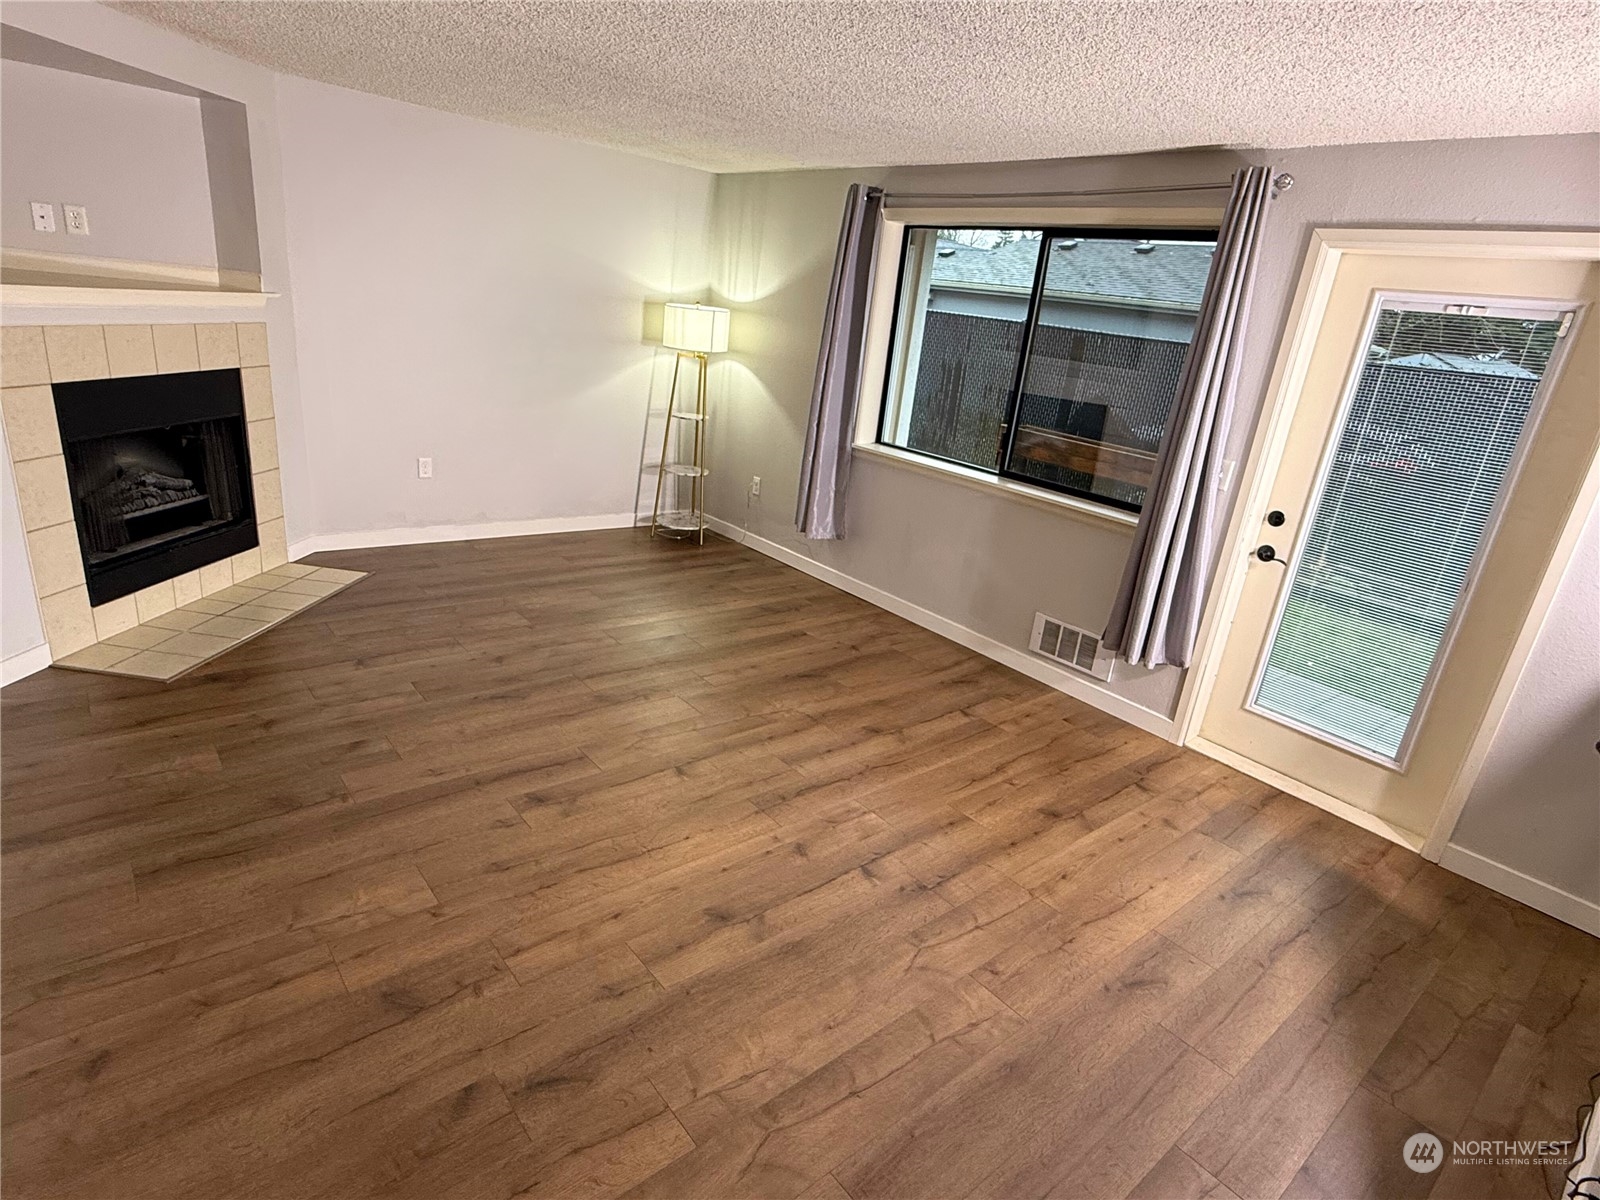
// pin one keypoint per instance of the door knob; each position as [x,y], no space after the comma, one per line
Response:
[1267,554]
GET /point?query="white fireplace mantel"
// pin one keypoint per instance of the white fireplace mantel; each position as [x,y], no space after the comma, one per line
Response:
[32,282]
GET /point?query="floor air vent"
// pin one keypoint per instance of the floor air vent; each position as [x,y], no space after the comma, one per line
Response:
[1075,648]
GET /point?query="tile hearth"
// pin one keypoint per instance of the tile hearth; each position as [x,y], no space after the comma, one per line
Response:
[168,645]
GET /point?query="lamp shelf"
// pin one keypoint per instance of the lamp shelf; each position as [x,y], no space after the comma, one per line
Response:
[679,522]
[687,470]
[688,416]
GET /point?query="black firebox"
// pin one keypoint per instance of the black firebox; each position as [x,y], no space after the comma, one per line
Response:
[159,468]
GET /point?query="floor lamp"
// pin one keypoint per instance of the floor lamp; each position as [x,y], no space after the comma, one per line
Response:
[695,331]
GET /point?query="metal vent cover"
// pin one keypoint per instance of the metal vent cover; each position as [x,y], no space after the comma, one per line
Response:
[1070,646]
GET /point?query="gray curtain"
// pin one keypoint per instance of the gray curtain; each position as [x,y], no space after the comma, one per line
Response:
[825,467]
[1156,617]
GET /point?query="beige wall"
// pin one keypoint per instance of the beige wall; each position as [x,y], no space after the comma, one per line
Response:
[985,562]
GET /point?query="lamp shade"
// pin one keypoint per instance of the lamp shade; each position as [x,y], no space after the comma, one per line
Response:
[700,328]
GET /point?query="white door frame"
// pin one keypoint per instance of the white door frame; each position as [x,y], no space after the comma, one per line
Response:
[1328,249]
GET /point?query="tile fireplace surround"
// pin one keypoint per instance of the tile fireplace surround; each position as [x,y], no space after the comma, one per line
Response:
[121,637]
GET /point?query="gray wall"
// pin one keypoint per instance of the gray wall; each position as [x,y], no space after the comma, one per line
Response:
[475,293]
[135,156]
[1536,806]
[983,561]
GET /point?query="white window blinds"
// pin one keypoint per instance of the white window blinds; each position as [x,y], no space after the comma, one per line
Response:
[1406,500]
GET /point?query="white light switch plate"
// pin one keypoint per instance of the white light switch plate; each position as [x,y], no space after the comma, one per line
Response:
[424,468]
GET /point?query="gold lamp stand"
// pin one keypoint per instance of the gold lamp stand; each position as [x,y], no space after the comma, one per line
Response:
[695,331]
[688,522]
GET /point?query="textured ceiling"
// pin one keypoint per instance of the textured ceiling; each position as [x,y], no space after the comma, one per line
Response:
[756,84]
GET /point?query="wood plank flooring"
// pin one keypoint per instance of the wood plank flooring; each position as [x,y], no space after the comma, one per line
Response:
[585,865]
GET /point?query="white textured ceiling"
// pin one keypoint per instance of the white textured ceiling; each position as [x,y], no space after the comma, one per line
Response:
[735,85]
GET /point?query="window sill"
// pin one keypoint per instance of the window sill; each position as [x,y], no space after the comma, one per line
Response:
[993,484]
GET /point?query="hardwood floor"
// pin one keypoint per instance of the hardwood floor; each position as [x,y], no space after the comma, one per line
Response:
[585,865]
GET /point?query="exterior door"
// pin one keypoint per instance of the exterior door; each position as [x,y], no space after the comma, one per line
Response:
[1448,419]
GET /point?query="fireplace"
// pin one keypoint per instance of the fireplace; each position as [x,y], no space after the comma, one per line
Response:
[159,471]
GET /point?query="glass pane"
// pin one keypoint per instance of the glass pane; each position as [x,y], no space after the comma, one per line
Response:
[1423,451]
[1115,322]
[958,335]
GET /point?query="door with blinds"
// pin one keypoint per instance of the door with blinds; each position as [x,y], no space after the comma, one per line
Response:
[1449,416]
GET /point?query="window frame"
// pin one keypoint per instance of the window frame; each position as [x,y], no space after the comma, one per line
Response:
[894,363]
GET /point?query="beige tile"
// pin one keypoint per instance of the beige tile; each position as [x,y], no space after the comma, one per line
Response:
[186,587]
[68,621]
[252,344]
[180,619]
[285,600]
[265,581]
[115,617]
[269,497]
[274,543]
[156,664]
[292,570]
[176,349]
[76,352]
[22,357]
[130,350]
[257,394]
[247,563]
[42,492]
[218,346]
[201,645]
[156,599]
[97,657]
[212,608]
[239,593]
[31,428]
[140,637]
[263,445]
[311,586]
[337,575]
[262,612]
[56,557]
[230,627]
[215,576]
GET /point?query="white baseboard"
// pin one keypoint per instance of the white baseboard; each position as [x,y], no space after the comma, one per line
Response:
[1076,686]
[24,663]
[1547,898]
[414,535]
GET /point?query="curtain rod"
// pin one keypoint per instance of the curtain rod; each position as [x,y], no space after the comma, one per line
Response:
[1281,183]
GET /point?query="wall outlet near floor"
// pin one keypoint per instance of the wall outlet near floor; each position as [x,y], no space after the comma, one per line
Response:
[755,485]
[44,217]
[424,468]
[76,219]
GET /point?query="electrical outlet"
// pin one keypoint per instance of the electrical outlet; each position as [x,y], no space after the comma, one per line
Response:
[44,217]
[76,219]
[755,485]
[424,468]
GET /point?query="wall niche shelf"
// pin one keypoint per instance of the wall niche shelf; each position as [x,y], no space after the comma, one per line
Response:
[28,277]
